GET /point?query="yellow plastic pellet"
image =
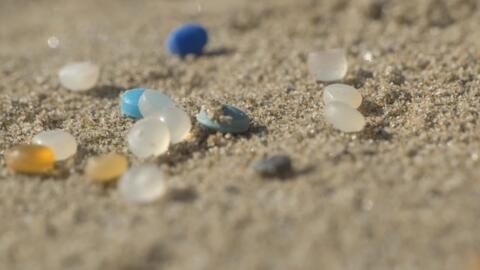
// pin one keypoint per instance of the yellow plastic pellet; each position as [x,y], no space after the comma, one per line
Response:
[106,167]
[30,158]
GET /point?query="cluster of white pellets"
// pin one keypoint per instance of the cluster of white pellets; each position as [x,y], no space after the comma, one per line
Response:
[164,123]
[140,184]
[341,103]
[341,100]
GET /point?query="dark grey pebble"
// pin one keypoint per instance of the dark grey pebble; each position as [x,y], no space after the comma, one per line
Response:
[274,166]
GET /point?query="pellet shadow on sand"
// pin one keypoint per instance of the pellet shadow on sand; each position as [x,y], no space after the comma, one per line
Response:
[59,173]
[154,256]
[293,175]
[374,131]
[184,195]
[221,51]
[204,139]
[370,108]
[105,91]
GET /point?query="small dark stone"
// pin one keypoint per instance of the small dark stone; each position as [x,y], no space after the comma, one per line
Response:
[274,166]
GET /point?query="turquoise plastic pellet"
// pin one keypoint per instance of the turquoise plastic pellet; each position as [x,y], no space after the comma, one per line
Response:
[239,120]
[129,102]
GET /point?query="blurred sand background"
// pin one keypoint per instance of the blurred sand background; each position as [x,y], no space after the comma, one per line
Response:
[402,194]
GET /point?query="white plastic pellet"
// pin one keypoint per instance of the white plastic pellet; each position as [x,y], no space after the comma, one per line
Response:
[148,137]
[329,65]
[177,121]
[61,142]
[152,101]
[142,184]
[79,76]
[344,117]
[342,93]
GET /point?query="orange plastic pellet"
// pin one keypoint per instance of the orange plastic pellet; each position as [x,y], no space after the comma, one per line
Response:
[105,168]
[26,158]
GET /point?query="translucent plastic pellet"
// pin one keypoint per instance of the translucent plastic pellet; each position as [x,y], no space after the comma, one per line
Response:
[342,93]
[61,142]
[79,76]
[153,101]
[105,168]
[343,117]
[177,121]
[329,65]
[142,184]
[29,158]
[148,137]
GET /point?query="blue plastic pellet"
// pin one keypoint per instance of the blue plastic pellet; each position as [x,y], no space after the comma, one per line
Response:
[129,102]
[187,39]
[238,122]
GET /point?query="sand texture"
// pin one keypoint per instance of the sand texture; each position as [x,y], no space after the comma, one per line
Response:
[402,194]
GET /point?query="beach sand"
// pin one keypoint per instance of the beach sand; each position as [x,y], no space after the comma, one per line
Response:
[402,194]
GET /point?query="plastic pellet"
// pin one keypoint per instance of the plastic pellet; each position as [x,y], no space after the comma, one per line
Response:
[153,101]
[187,39]
[329,65]
[105,168]
[61,142]
[148,137]
[79,76]
[29,158]
[343,117]
[342,93]
[226,119]
[129,102]
[276,165]
[142,184]
[178,123]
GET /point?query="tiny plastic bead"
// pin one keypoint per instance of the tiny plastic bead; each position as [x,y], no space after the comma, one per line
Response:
[30,158]
[342,93]
[344,117]
[142,184]
[236,121]
[153,101]
[106,167]
[79,76]
[61,142]
[177,121]
[148,137]
[329,65]
[276,165]
[129,102]
[187,39]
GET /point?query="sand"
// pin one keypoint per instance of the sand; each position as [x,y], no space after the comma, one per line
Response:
[402,194]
